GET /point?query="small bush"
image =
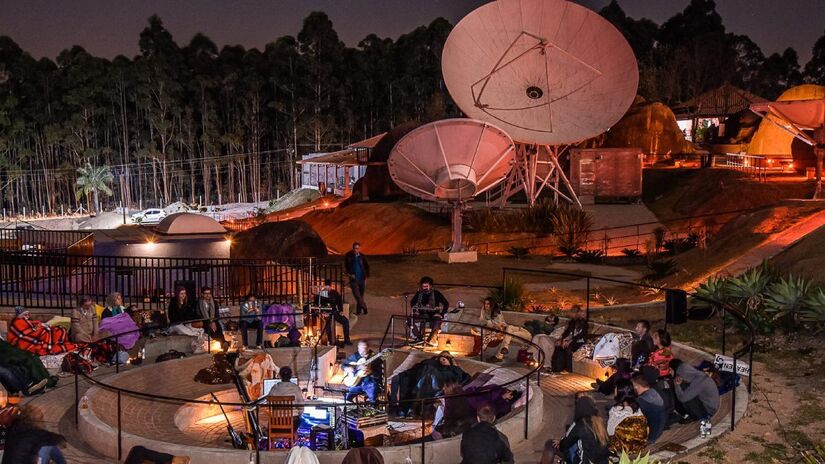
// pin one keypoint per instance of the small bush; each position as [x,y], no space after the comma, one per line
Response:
[518,252]
[571,226]
[590,256]
[661,268]
[631,252]
[511,296]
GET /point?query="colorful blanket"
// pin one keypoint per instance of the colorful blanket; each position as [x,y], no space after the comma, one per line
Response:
[38,338]
[121,324]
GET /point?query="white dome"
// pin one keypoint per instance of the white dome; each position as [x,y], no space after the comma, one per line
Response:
[188,224]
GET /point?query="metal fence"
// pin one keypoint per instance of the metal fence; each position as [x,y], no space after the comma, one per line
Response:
[76,242]
[54,280]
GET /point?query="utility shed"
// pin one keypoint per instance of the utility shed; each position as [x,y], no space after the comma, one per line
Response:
[606,175]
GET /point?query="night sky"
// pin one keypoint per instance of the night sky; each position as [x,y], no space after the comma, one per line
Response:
[111,27]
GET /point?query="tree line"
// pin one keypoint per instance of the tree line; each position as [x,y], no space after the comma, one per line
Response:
[208,125]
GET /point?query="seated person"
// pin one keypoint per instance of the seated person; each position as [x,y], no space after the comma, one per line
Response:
[586,441]
[286,388]
[499,398]
[36,337]
[726,381]
[207,309]
[114,305]
[626,424]
[660,358]
[546,326]
[652,406]
[181,312]
[251,319]
[620,370]
[573,337]
[483,443]
[25,371]
[329,297]
[428,308]
[491,317]
[643,346]
[453,415]
[372,373]
[253,367]
[697,395]
[424,380]
[84,326]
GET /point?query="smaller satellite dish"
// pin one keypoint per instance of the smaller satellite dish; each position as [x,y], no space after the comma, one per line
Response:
[451,160]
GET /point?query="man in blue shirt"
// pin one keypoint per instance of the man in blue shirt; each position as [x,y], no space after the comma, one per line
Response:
[358,270]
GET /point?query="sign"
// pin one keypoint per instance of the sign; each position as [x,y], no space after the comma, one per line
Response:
[725,364]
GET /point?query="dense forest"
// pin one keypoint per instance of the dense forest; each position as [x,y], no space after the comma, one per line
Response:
[205,124]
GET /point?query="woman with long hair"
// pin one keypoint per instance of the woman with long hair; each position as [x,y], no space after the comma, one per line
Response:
[626,424]
[492,317]
[661,357]
[586,440]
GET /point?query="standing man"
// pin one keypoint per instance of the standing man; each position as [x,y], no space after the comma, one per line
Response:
[330,297]
[358,270]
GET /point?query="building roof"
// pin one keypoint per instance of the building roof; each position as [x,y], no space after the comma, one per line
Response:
[189,224]
[339,158]
[368,143]
[721,101]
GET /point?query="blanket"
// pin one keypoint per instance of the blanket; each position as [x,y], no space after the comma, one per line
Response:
[121,324]
[38,338]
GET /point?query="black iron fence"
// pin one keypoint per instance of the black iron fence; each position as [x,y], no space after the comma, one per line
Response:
[54,280]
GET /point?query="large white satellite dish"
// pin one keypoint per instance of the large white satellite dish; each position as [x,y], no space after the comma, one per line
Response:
[548,72]
[451,160]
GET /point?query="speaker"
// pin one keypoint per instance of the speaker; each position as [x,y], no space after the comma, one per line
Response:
[675,306]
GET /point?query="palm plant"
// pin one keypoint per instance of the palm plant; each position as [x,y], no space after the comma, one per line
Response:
[785,298]
[92,180]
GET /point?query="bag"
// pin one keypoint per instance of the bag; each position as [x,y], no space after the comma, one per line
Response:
[200,344]
[171,354]
[121,357]
[74,364]
[523,355]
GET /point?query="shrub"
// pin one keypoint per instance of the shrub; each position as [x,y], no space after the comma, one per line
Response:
[625,459]
[571,226]
[785,299]
[590,256]
[813,309]
[661,268]
[631,252]
[518,252]
[659,238]
[511,296]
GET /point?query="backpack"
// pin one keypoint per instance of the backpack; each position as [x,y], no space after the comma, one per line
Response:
[171,354]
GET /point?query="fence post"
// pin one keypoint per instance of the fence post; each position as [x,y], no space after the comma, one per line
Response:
[76,399]
[733,398]
[119,430]
[423,430]
[527,407]
[724,337]
[117,358]
[750,364]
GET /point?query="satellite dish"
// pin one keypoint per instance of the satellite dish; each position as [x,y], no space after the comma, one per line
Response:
[452,160]
[548,72]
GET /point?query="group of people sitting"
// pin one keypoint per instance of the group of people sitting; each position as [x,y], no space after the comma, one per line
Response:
[650,392]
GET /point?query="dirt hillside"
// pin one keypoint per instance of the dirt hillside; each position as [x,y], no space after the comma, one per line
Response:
[804,258]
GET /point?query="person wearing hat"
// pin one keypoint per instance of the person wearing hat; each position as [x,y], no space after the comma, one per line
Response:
[36,337]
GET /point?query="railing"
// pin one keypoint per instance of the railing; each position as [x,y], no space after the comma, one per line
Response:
[54,281]
[256,405]
[753,165]
[722,309]
[45,240]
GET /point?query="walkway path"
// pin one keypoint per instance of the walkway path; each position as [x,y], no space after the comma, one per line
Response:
[771,247]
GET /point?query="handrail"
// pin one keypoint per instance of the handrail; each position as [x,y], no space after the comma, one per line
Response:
[723,308]
[256,404]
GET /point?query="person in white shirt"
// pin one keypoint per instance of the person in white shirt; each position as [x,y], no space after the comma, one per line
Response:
[287,388]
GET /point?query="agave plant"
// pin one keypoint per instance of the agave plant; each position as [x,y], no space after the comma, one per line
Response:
[625,459]
[749,288]
[511,296]
[813,309]
[713,289]
[785,298]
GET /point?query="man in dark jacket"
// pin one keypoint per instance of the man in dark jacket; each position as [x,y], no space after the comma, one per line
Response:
[358,270]
[329,297]
[483,443]
[652,406]
[429,306]
[643,346]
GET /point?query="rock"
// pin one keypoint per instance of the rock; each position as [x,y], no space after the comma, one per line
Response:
[287,239]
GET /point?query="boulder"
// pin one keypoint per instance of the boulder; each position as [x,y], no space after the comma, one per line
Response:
[286,239]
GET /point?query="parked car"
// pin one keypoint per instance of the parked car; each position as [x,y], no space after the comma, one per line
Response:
[148,216]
